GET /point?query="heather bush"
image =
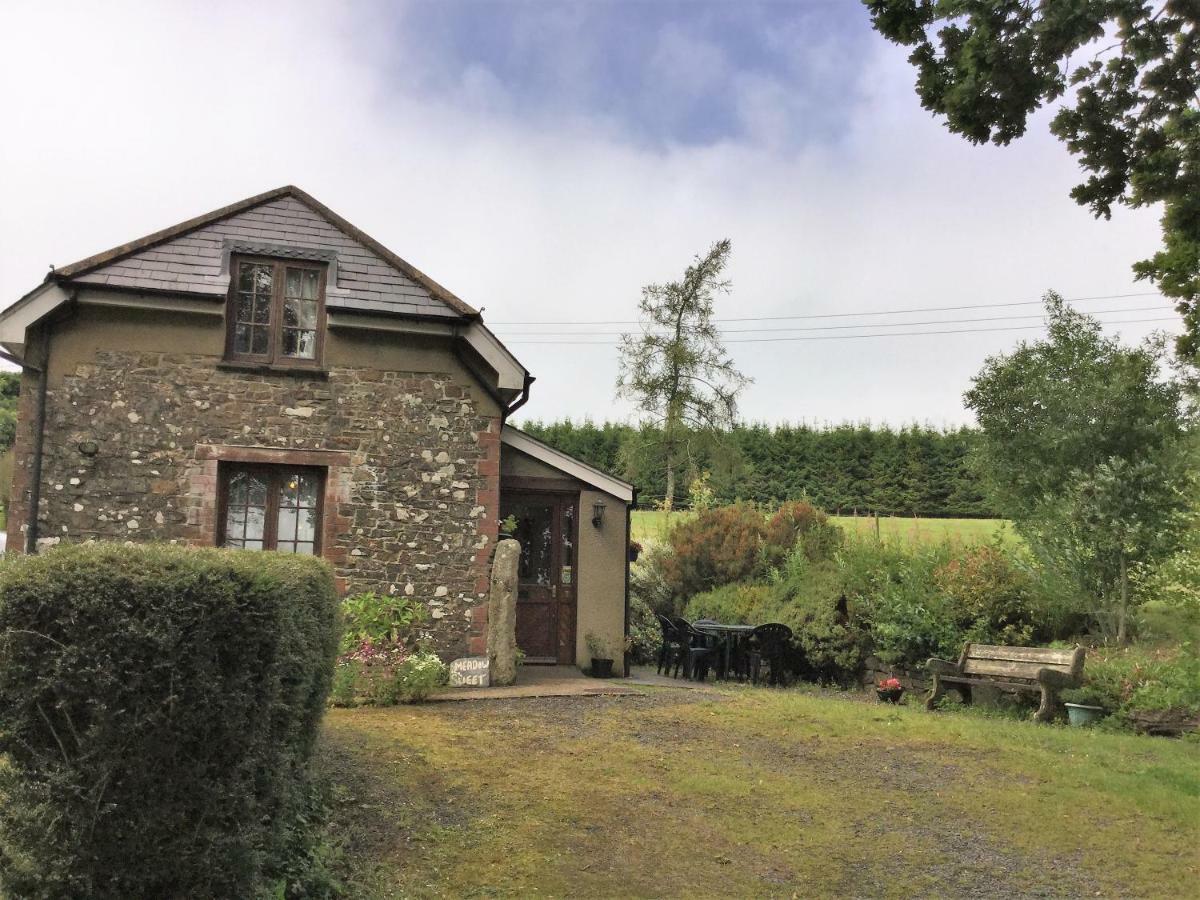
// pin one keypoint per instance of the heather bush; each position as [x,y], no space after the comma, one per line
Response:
[715,547]
[800,524]
[158,709]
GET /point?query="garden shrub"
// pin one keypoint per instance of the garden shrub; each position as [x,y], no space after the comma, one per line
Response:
[380,620]
[1136,680]
[648,582]
[798,523]
[158,708]
[714,547]
[420,675]
[733,603]
[990,596]
[645,634]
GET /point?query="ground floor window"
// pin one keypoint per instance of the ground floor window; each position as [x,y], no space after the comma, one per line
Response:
[271,508]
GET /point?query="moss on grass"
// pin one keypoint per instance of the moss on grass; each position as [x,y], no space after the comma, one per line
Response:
[753,792]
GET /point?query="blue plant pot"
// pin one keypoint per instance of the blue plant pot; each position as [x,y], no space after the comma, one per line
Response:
[1081,716]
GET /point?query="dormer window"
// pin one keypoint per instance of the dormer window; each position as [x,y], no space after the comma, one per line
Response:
[276,313]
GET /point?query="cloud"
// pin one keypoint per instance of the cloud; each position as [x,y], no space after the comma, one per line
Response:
[839,194]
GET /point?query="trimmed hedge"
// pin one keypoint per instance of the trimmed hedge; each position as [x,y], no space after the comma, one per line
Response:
[158,708]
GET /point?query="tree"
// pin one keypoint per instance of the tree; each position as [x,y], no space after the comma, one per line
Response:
[1133,121]
[1084,446]
[676,370]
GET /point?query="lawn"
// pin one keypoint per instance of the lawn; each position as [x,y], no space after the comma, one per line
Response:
[752,792]
[650,526]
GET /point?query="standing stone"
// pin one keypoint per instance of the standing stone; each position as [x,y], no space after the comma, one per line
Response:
[502,613]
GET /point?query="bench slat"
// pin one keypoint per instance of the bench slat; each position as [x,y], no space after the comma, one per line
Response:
[1004,668]
[1044,656]
[990,682]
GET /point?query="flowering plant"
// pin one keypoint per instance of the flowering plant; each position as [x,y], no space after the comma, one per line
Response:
[891,684]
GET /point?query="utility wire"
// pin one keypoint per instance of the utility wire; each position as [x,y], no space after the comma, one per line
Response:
[850,337]
[827,327]
[880,312]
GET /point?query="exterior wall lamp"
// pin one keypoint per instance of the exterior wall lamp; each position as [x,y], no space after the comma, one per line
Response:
[598,513]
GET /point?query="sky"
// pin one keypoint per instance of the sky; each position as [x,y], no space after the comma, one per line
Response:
[546,160]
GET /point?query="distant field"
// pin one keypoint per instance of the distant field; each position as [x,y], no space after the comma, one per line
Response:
[650,526]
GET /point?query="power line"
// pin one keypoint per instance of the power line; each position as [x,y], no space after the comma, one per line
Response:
[881,312]
[850,337]
[827,327]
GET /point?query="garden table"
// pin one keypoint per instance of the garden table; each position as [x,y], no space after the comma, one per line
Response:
[729,635]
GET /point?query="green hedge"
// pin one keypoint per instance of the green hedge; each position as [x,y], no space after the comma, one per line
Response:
[158,708]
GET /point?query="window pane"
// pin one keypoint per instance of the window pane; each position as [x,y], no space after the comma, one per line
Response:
[287,524]
[262,310]
[256,277]
[299,313]
[302,283]
[241,339]
[308,285]
[245,509]
[237,489]
[245,307]
[306,528]
[264,277]
[299,344]
[308,313]
[306,548]
[307,489]
[258,341]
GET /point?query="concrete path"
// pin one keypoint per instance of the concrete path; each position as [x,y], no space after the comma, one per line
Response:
[564,681]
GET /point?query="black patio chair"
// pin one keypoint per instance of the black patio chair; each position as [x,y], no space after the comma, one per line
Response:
[768,643]
[698,653]
[674,642]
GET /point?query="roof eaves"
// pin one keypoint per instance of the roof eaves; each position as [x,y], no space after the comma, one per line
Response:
[83,266]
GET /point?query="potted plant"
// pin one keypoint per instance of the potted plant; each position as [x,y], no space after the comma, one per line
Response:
[890,690]
[602,664]
[1085,705]
[508,527]
[635,550]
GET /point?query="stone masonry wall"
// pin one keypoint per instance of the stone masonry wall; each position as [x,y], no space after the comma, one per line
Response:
[412,488]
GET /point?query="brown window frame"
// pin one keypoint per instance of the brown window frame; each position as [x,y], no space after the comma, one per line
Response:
[274,357]
[274,474]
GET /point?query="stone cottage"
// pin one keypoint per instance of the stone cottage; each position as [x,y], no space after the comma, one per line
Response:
[267,376]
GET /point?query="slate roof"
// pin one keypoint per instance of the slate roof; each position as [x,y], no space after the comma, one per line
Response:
[189,257]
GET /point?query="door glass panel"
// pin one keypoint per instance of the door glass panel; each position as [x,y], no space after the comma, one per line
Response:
[535,533]
[566,559]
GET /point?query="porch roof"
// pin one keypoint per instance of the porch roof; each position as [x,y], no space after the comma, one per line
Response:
[568,465]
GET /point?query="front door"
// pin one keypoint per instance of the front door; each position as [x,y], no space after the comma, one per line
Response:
[546,576]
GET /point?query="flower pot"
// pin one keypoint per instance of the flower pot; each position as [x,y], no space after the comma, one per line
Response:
[601,668]
[889,695]
[1081,715]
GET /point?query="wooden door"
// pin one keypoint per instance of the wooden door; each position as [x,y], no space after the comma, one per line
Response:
[546,574]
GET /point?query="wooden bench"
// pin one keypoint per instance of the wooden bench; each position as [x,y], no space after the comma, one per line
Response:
[1014,669]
